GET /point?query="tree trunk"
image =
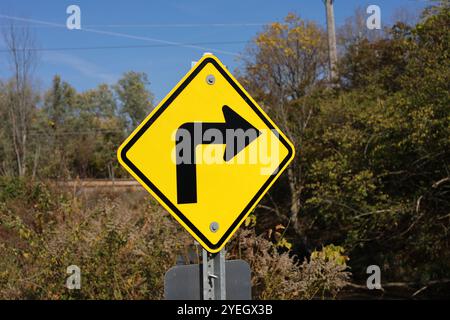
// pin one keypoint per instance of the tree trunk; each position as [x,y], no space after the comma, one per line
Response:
[295,201]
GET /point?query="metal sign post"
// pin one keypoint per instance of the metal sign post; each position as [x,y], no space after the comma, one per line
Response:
[214,282]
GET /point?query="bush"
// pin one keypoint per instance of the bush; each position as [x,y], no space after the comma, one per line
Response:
[123,246]
[278,275]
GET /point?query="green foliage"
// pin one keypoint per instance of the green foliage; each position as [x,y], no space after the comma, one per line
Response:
[372,166]
[331,253]
[11,188]
[136,100]
[77,134]
[384,145]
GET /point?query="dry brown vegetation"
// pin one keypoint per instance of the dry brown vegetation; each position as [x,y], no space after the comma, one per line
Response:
[123,243]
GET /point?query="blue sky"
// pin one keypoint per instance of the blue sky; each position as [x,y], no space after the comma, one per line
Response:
[223,27]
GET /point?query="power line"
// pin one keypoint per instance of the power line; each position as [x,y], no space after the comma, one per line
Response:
[124,46]
[70,133]
[175,25]
[119,34]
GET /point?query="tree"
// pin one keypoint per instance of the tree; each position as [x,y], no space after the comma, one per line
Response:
[54,123]
[378,179]
[20,96]
[79,132]
[355,30]
[99,130]
[135,100]
[283,68]
[372,165]
[6,150]
[59,102]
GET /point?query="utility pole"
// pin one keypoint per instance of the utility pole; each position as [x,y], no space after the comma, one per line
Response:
[332,51]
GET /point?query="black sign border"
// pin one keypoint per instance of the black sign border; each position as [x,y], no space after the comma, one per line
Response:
[155,116]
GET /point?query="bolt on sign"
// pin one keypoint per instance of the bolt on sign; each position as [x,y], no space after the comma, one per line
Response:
[208,153]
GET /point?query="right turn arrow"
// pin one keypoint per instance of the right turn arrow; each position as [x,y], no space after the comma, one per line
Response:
[236,133]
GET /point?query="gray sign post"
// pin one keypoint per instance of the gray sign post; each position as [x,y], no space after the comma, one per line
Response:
[214,282]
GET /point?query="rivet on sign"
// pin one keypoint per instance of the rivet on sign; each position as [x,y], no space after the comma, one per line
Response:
[210,79]
[214,226]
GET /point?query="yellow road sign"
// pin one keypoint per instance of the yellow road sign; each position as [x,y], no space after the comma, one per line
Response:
[208,153]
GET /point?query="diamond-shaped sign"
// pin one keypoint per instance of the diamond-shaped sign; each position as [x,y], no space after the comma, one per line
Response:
[208,153]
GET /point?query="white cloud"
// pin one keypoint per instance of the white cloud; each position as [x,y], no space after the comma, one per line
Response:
[83,66]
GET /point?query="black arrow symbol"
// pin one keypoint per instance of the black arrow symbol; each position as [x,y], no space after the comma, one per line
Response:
[236,133]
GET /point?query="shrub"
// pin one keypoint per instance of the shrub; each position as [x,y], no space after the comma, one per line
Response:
[122,246]
[124,243]
[278,275]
